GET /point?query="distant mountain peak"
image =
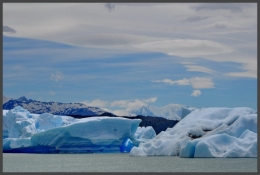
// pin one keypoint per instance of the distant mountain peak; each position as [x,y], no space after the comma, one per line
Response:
[170,111]
[23,98]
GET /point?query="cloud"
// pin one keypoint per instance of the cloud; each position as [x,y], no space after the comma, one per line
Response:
[250,70]
[96,103]
[186,47]
[232,7]
[127,105]
[196,93]
[195,18]
[248,63]
[182,82]
[196,68]
[57,76]
[110,40]
[196,82]
[131,105]
[246,74]
[52,93]
[149,100]
[8,29]
[110,6]
[201,83]
[222,25]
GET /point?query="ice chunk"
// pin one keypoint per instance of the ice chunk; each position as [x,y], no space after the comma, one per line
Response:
[24,131]
[144,134]
[48,121]
[10,143]
[88,133]
[222,145]
[135,151]
[20,123]
[126,146]
[193,135]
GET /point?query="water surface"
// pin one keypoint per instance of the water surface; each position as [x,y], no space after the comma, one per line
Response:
[118,162]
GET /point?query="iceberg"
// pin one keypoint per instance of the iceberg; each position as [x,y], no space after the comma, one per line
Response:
[144,134]
[207,132]
[27,132]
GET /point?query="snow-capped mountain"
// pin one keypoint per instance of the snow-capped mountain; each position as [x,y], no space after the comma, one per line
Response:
[170,112]
[55,108]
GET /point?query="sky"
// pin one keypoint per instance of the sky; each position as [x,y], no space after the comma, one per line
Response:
[120,56]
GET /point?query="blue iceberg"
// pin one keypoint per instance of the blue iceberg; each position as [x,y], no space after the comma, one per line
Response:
[47,133]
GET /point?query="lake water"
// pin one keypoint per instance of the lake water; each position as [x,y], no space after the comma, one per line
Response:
[116,162]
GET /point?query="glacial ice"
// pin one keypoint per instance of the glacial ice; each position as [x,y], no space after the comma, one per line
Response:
[207,132]
[144,134]
[52,133]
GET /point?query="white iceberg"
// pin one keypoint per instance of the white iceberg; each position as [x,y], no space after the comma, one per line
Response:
[28,132]
[144,134]
[208,132]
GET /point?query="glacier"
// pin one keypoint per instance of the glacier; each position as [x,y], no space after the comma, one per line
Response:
[206,132]
[47,133]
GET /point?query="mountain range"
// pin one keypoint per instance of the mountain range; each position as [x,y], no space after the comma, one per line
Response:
[80,110]
[56,108]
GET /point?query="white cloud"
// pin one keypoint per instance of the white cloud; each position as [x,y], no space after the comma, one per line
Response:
[201,83]
[138,27]
[196,82]
[195,68]
[96,103]
[57,76]
[246,74]
[130,105]
[186,47]
[248,63]
[196,93]
[182,82]
[149,100]
[121,112]
[125,105]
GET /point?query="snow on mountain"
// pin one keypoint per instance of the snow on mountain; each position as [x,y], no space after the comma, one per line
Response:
[56,108]
[170,112]
[45,133]
[207,132]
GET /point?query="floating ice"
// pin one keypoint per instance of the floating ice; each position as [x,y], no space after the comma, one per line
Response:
[105,134]
[208,132]
[26,132]
[222,145]
[144,134]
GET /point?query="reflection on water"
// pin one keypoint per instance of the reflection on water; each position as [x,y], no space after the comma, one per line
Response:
[118,162]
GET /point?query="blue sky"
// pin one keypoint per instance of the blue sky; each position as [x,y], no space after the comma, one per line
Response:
[201,55]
